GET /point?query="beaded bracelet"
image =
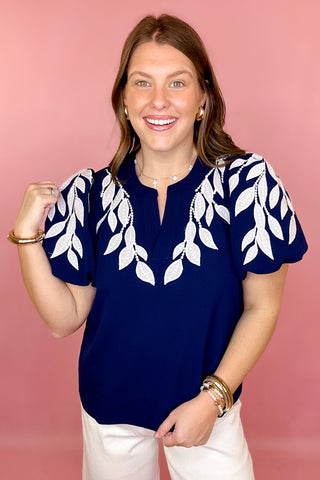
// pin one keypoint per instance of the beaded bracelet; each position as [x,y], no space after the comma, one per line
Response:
[24,241]
[217,385]
[217,404]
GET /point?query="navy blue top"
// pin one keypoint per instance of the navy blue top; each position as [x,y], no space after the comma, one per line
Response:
[168,295]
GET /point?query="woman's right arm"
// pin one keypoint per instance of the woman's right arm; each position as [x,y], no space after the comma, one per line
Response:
[62,306]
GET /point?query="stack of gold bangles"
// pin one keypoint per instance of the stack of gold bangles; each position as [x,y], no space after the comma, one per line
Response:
[219,392]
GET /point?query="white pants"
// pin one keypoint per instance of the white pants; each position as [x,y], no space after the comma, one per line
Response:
[126,452]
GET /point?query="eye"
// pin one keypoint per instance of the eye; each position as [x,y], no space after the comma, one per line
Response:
[143,83]
[177,84]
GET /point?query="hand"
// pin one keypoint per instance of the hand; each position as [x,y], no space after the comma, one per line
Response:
[193,423]
[36,201]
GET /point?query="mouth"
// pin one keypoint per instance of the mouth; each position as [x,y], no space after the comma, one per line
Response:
[156,123]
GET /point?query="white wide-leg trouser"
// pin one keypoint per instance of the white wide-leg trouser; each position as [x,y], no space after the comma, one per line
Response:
[127,452]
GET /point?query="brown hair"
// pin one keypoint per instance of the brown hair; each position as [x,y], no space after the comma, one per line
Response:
[210,139]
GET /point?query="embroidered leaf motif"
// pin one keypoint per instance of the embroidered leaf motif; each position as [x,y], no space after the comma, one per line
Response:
[190,231]
[55,229]
[199,206]
[263,240]
[142,252]
[72,257]
[178,250]
[112,220]
[259,216]
[236,163]
[101,221]
[206,238]
[51,213]
[209,214]
[145,273]
[71,227]
[292,229]
[117,199]
[255,171]
[193,253]
[77,245]
[223,212]
[274,196]
[217,183]
[106,181]
[108,195]
[207,191]
[233,182]
[61,204]
[251,254]
[62,245]
[275,227]
[248,238]
[244,200]
[126,256]
[70,199]
[80,183]
[79,210]
[284,207]
[123,212]
[173,272]
[262,190]
[272,172]
[114,243]
[130,235]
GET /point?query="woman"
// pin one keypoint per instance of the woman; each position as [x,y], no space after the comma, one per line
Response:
[177,255]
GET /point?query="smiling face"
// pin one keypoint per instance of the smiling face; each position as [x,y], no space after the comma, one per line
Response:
[162,96]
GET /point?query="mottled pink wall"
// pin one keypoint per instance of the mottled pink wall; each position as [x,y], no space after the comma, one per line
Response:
[58,61]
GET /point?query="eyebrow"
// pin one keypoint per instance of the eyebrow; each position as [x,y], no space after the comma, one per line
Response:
[174,74]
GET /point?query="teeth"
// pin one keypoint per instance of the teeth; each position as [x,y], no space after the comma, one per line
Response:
[160,122]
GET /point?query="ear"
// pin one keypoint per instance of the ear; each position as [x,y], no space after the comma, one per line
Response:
[203,99]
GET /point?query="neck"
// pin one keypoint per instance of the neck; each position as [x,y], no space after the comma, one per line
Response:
[165,164]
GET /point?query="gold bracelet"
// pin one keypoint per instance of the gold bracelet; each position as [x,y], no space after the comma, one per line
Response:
[222,387]
[24,241]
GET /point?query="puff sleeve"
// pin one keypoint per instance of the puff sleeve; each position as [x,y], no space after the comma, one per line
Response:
[68,242]
[264,229]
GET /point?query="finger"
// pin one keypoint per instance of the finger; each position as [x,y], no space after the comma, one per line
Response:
[170,440]
[165,427]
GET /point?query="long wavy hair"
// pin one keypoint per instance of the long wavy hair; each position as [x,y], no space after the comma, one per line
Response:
[210,139]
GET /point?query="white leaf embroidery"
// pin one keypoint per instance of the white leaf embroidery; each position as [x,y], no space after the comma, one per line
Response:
[61,204]
[255,171]
[126,256]
[209,214]
[55,229]
[114,243]
[123,212]
[274,196]
[108,195]
[142,252]
[51,213]
[292,229]
[173,272]
[223,212]
[262,190]
[190,231]
[259,216]
[207,190]
[76,243]
[62,245]
[248,238]
[217,182]
[237,163]
[263,240]
[106,181]
[233,182]
[112,220]
[117,199]
[193,253]
[275,227]
[251,254]
[272,172]
[206,238]
[79,210]
[130,235]
[71,227]
[199,206]
[244,200]
[87,173]
[145,273]
[72,257]
[101,221]
[284,207]
[70,199]
[80,183]
[178,250]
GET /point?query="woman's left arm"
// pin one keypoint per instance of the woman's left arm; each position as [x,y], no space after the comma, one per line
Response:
[262,296]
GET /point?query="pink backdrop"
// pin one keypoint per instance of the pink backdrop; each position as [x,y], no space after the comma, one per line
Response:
[58,61]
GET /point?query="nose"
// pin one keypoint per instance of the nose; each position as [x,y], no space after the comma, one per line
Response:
[159,99]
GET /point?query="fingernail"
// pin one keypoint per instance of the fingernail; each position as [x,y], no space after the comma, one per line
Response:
[157,435]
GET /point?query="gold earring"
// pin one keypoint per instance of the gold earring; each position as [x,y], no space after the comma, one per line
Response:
[126,112]
[200,114]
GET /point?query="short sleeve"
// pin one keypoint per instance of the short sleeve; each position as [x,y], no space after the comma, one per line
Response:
[264,229]
[68,242]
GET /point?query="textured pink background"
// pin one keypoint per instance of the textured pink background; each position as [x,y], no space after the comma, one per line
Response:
[58,61]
